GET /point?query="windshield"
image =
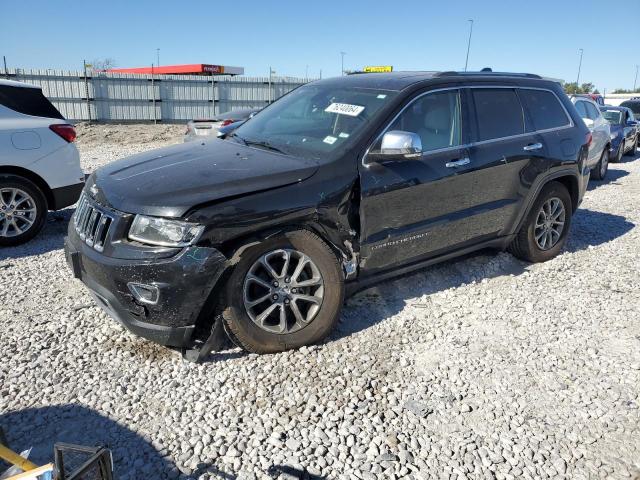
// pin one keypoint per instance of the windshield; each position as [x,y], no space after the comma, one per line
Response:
[614,117]
[314,121]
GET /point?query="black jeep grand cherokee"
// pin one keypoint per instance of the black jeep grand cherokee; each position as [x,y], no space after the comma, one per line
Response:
[340,183]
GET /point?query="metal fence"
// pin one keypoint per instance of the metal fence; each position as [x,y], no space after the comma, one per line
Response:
[116,97]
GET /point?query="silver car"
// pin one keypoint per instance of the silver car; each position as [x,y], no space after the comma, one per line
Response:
[598,158]
[196,129]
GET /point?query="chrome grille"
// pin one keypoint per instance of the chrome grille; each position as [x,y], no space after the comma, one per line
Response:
[91,224]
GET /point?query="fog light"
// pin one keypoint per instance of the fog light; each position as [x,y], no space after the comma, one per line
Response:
[144,293]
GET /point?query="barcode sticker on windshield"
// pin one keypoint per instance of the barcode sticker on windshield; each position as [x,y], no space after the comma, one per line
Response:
[345,109]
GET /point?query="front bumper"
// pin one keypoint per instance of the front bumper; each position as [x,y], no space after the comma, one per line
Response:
[184,282]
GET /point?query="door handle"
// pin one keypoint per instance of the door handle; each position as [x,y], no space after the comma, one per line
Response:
[457,163]
[533,146]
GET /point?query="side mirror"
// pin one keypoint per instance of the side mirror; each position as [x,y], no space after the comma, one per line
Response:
[398,144]
[588,122]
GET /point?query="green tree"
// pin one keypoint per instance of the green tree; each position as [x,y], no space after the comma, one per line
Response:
[574,88]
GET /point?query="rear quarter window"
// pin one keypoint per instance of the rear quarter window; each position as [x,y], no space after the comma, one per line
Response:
[28,101]
[499,113]
[544,108]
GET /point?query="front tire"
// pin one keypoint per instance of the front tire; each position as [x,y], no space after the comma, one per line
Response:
[283,293]
[599,172]
[545,230]
[23,210]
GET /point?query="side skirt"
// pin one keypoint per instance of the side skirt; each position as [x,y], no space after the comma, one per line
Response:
[366,282]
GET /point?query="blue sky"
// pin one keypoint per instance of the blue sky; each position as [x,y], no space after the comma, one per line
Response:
[535,36]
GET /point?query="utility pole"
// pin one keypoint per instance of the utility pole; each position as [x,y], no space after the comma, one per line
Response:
[6,72]
[579,68]
[635,81]
[306,72]
[320,74]
[157,57]
[342,63]
[271,72]
[466,62]
[153,93]
[86,90]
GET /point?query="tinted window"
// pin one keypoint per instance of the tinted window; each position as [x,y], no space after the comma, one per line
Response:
[435,117]
[498,113]
[581,107]
[29,101]
[592,111]
[544,108]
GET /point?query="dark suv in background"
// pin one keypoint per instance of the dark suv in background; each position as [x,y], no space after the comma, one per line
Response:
[340,183]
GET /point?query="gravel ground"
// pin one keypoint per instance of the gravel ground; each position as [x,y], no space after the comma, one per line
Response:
[484,367]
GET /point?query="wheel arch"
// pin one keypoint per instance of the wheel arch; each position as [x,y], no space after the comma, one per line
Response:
[233,248]
[33,177]
[567,178]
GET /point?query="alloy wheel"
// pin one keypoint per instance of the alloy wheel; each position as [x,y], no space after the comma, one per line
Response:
[17,212]
[549,223]
[283,291]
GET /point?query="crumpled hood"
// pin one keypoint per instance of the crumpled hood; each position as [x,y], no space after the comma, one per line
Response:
[169,181]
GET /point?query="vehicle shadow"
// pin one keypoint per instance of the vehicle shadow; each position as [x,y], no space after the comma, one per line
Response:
[133,456]
[613,175]
[381,301]
[629,158]
[50,238]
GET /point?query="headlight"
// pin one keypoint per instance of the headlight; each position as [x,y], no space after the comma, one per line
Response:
[164,232]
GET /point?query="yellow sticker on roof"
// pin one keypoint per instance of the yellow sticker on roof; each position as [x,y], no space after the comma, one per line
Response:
[378,69]
[345,109]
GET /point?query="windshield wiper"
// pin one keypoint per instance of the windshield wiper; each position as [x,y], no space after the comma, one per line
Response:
[238,137]
[263,144]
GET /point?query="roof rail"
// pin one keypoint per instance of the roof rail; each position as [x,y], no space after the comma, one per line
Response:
[487,73]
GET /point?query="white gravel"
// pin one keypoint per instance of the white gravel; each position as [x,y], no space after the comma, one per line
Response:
[484,367]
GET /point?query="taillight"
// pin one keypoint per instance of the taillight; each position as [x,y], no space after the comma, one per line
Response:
[227,122]
[588,139]
[66,131]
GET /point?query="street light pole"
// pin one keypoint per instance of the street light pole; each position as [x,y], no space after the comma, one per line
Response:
[579,68]
[466,63]
[342,64]
[635,81]
[157,57]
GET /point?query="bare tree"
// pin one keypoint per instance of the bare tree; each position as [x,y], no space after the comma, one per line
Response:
[103,63]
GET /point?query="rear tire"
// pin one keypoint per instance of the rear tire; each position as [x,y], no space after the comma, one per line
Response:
[283,331]
[552,206]
[23,210]
[599,172]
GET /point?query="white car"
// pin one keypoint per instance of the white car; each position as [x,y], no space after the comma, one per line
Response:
[598,158]
[39,163]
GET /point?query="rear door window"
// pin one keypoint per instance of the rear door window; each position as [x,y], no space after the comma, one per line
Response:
[581,107]
[544,108]
[592,112]
[29,101]
[499,113]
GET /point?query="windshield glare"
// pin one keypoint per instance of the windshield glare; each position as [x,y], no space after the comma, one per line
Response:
[314,120]
[614,117]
